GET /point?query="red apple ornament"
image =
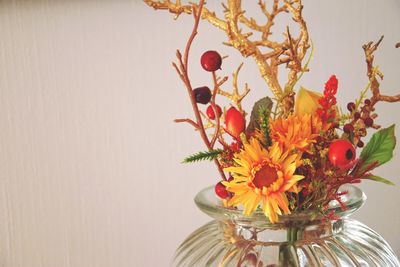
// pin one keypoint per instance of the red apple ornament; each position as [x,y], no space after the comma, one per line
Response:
[341,153]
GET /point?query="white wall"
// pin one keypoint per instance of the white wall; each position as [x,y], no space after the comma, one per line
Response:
[90,171]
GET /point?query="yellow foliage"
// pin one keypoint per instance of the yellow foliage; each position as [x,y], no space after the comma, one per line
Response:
[306,102]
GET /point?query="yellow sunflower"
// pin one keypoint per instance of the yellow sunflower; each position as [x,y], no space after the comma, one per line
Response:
[296,131]
[263,176]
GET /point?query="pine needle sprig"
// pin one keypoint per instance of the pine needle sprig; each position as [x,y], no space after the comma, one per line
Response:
[264,124]
[203,155]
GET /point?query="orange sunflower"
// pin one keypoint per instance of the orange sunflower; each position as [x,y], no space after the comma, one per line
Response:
[297,131]
[263,176]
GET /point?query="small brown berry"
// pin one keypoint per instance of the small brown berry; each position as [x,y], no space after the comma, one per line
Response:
[368,122]
[351,106]
[348,128]
[360,143]
[367,102]
[202,95]
[357,115]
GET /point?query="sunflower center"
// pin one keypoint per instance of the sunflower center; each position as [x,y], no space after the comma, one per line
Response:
[265,177]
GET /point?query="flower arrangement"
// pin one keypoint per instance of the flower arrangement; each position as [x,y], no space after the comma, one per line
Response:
[293,151]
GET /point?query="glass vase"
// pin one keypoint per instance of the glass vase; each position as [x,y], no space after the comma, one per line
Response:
[300,239]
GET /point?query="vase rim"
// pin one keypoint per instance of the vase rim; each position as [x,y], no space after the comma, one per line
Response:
[209,203]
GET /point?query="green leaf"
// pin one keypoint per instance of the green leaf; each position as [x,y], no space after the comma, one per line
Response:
[259,118]
[379,149]
[203,155]
[378,179]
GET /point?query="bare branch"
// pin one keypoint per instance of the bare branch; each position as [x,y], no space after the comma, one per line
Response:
[373,74]
[236,97]
[177,9]
[214,107]
[191,122]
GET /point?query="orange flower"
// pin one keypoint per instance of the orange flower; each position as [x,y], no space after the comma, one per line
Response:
[263,177]
[297,131]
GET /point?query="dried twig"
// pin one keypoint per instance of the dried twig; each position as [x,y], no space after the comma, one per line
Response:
[182,70]
[235,96]
[374,73]
[191,122]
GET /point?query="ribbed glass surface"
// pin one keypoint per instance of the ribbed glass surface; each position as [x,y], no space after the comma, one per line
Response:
[232,239]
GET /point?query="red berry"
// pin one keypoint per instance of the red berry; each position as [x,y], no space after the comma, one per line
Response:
[360,143]
[210,112]
[367,102]
[221,191]
[368,122]
[202,95]
[235,122]
[357,115]
[351,106]
[341,153]
[348,128]
[211,61]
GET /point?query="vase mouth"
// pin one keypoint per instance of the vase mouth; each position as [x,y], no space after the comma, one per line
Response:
[209,203]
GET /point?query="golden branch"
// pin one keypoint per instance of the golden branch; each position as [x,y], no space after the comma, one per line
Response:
[291,51]
[236,97]
[177,8]
[373,74]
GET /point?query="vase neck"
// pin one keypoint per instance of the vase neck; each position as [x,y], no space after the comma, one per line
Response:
[281,232]
[209,203]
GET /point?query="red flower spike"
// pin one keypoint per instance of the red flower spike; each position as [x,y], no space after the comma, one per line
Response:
[342,153]
[235,122]
[210,112]
[221,191]
[211,61]
[327,112]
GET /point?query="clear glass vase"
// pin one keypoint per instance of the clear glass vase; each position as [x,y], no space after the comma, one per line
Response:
[233,239]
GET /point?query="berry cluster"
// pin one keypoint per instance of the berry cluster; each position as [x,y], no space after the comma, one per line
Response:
[362,119]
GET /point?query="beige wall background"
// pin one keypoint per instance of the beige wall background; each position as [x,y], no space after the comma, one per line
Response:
[90,171]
